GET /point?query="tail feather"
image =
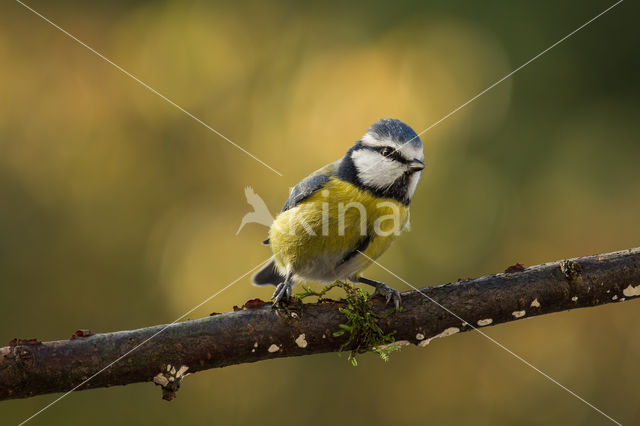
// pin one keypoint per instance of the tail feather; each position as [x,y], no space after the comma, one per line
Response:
[268,275]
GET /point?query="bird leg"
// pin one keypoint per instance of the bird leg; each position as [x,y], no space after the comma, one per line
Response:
[381,290]
[283,291]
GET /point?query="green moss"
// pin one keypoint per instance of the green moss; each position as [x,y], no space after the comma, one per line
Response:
[364,334]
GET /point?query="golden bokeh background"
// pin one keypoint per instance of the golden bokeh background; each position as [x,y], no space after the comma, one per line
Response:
[119,211]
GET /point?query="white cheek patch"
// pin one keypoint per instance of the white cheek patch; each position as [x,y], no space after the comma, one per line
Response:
[376,171]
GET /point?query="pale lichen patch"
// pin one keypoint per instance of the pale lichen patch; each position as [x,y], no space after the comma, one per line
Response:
[519,314]
[419,336]
[161,380]
[301,341]
[485,321]
[169,379]
[273,348]
[447,332]
[181,371]
[398,343]
[574,299]
[535,303]
[615,297]
[631,291]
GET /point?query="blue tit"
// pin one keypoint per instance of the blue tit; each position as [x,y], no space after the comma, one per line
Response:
[354,206]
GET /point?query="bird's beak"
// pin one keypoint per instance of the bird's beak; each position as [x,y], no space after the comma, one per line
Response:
[416,165]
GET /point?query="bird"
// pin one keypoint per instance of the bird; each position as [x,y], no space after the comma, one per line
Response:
[343,216]
[260,213]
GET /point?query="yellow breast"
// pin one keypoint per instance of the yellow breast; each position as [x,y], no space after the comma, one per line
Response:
[314,237]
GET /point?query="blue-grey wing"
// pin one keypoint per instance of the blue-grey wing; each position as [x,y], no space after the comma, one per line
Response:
[309,185]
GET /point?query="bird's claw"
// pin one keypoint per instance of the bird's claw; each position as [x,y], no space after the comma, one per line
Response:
[282,293]
[388,293]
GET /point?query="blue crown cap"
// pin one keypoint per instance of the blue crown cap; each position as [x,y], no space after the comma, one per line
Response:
[396,130]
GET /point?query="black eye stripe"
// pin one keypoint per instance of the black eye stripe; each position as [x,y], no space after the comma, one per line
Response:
[395,155]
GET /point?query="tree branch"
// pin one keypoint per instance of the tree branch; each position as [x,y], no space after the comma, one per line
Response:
[257,332]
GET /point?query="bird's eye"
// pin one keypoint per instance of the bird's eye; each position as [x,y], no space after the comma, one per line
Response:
[386,151]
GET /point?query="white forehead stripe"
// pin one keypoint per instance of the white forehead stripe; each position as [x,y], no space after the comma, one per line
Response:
[408,151]
[372,139]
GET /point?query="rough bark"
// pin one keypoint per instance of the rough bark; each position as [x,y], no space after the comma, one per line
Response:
[257,332]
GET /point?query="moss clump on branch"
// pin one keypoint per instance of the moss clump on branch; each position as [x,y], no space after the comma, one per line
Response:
[364,334]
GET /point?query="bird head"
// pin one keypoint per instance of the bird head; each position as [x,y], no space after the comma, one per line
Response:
[387,160]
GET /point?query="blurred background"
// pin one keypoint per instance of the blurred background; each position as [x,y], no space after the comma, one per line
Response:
[118,211]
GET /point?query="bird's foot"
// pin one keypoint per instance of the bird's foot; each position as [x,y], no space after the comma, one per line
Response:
[282,295]
[388,293]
